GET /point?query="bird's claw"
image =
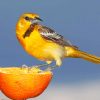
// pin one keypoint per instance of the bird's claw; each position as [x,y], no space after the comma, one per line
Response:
[26,67]
[50,68]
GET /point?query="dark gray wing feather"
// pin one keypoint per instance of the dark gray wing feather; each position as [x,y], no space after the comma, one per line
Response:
[50,34]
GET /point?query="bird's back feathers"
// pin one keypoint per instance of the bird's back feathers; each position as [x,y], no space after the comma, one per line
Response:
[51,35]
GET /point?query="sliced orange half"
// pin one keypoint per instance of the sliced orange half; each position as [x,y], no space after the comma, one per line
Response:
[21,84]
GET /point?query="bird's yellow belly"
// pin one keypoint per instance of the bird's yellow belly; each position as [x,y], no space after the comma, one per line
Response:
[44,51]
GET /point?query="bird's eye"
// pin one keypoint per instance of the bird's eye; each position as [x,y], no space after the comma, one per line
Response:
[27,18]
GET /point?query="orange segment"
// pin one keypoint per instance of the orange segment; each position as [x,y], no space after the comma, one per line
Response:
[21,84]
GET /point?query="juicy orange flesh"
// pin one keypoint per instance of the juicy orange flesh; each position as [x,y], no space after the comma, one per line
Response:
[23,83]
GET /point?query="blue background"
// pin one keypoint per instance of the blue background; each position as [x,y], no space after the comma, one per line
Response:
[76,20]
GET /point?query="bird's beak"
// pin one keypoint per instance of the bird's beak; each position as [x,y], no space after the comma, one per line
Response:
[36,20]
[39,19]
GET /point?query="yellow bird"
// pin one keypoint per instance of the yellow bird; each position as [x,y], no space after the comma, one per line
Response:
[44,43]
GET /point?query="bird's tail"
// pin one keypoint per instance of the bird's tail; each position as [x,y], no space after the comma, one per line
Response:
[75,53]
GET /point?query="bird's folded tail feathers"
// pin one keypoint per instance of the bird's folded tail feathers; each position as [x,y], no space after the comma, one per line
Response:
[75,53]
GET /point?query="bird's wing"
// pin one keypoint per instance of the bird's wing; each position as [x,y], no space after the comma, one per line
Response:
[51,35]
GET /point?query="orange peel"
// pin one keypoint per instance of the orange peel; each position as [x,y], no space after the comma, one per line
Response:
[21,84]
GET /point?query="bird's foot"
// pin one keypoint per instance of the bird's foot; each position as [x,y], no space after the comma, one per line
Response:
[26,67]
[49,68]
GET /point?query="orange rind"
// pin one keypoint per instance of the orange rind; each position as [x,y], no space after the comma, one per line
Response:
[21,84]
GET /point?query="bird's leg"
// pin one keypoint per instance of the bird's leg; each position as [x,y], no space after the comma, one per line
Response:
[42,65]
[58,64]
[50,68]
[46,64]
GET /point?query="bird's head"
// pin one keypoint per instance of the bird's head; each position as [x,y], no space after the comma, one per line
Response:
[25,21]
